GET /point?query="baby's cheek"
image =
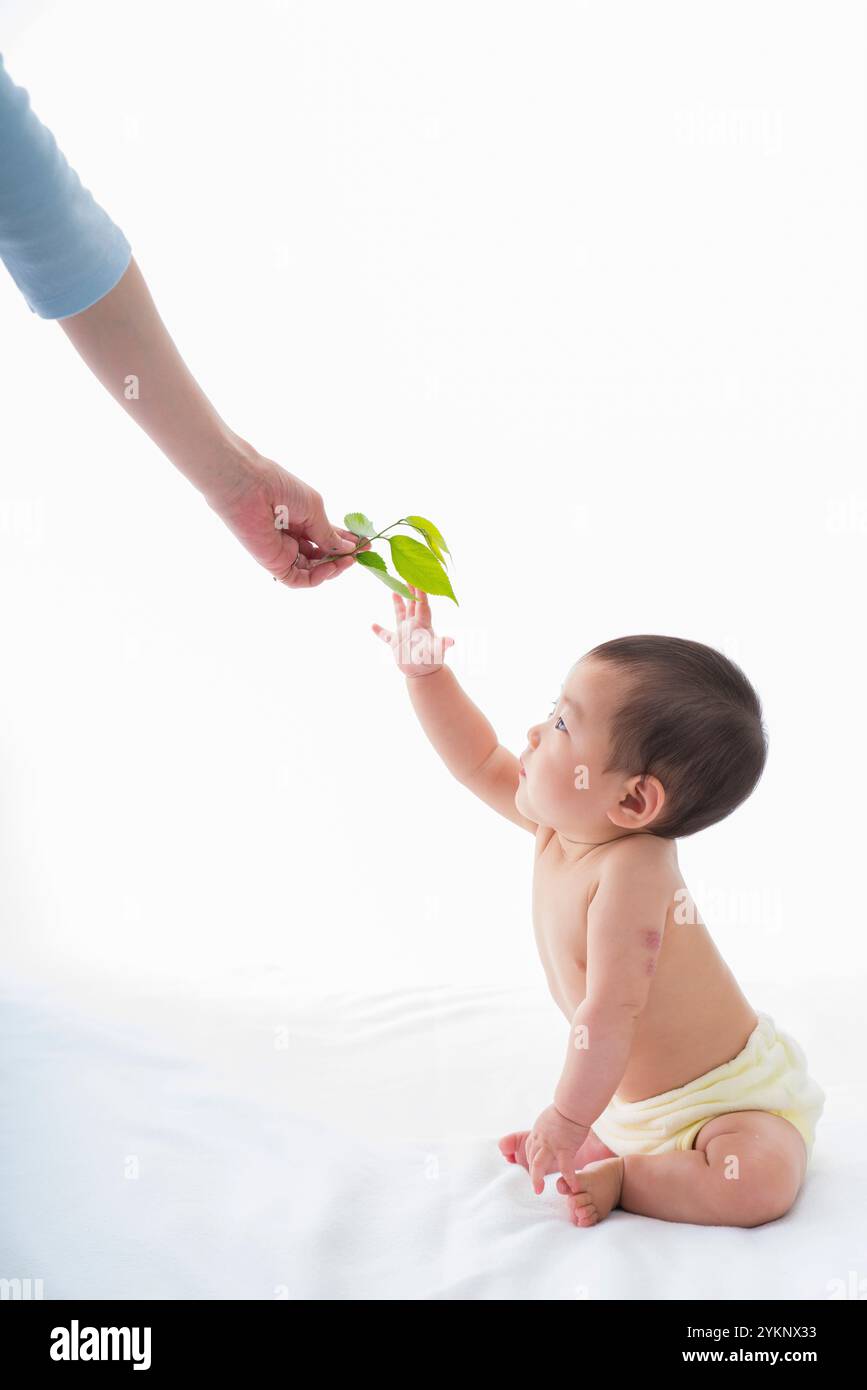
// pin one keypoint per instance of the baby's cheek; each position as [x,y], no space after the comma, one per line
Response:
[580,777]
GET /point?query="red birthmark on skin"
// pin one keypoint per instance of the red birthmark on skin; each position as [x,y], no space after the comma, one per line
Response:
[653,941]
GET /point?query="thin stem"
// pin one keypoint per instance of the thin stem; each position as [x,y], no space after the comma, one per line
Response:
[367,540]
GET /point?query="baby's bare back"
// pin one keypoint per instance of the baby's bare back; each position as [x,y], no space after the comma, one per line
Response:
[696,1016]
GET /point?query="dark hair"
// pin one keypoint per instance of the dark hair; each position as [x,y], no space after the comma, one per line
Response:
[691,718]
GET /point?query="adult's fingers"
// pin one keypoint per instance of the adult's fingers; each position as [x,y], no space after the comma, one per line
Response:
[359,544]
[319,529]
[306,568]
[304,574]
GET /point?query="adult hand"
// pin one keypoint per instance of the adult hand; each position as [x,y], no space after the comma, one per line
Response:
[126,345]
[280,519]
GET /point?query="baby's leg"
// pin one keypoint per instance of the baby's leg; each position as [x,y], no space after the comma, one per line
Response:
[746,1168]
[593,1149]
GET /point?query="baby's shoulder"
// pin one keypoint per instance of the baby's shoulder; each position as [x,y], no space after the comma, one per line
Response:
[651,848]
[649,856]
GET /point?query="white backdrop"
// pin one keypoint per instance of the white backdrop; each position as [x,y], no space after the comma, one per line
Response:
[584,284]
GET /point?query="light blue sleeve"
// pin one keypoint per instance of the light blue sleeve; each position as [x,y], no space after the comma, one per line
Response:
[61,248]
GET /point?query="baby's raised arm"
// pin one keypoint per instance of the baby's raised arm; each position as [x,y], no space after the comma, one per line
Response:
[460,733]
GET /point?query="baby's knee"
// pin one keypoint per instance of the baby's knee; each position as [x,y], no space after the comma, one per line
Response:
[758,1181]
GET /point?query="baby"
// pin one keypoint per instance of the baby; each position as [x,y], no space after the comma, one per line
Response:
[677,1098]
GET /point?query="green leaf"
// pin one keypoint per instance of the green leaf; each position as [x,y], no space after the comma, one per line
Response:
[417,565]
[371,559]
[431,535]
[359,524]
[376,565]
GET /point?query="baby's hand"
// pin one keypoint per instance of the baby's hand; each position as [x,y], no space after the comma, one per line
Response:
[513,1147]
[552,1146]
[417,650]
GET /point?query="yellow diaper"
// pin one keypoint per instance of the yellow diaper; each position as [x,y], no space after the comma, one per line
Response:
[770,1073]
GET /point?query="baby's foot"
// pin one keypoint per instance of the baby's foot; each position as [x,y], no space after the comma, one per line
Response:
[598,1190]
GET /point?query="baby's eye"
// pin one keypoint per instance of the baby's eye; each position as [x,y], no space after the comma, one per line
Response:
[560,720]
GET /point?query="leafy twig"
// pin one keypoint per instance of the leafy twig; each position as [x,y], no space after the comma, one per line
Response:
[421,565]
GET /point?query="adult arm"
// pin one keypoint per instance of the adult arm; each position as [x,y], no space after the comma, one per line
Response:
[72,263]
[276,516]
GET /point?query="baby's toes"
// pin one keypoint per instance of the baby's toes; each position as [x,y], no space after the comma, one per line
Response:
[582,1209]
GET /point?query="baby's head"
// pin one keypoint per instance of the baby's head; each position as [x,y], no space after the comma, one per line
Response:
[654,734]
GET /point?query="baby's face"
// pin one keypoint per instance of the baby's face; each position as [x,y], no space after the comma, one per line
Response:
[563,784]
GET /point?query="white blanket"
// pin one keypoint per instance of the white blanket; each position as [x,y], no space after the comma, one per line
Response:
[242,1143]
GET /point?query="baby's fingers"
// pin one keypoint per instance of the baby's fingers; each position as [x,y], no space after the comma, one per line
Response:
[566,1164]
[422,607]
[538,1168]
[382,632]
